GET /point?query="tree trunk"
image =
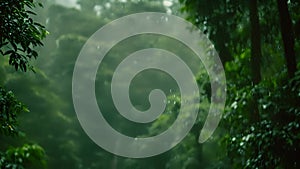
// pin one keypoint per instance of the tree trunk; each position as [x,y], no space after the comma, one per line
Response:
[255,42]
[255,54]
[287,36]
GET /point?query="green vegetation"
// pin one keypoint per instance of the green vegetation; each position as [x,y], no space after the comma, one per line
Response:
[19,34]
[262,117]
[258,43]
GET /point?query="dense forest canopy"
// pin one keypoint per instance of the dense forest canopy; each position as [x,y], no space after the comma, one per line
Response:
[257,41]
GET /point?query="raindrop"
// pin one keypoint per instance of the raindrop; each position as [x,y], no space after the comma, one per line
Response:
[169,11]
[167,3]
[164,19]
[234,105]
[107,5]
[242,143]
[264,106]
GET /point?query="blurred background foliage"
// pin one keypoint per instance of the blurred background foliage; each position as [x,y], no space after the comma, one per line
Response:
[258,43]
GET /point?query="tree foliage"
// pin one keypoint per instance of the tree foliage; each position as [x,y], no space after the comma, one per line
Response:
[19,33]
[10,108]
[261,120]
[269,141]
[27,156]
